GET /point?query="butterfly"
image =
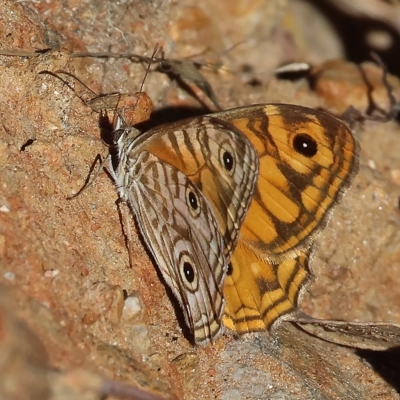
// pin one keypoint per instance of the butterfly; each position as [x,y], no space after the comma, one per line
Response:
[230,203]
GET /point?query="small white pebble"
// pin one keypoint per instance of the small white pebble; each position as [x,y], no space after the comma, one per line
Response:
[371,164]
[4,209]
[132,305]
[51,274]
[10,276]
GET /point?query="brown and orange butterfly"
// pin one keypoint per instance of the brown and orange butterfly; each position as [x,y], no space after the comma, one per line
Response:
[230,203]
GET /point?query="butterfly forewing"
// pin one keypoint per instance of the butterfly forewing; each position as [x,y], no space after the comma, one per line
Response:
[218,159]
[307,158]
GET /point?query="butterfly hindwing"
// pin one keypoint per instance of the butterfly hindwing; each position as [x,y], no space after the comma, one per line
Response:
[182,234]
[258,293]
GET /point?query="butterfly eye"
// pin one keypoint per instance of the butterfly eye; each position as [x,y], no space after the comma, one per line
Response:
[188,273]
[118,134]
[192,202]
[305,145]
[226,156]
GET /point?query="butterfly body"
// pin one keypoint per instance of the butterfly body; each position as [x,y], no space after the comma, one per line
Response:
[265,178]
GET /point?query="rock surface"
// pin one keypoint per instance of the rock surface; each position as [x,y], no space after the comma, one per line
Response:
[64,264]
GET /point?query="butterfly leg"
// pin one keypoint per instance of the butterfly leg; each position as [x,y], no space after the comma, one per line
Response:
[126,220]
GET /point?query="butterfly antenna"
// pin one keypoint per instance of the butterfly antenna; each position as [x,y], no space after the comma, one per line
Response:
[152,59]
[88,181]
[119,121]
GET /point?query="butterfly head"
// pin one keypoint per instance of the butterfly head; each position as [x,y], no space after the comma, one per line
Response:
[123,137]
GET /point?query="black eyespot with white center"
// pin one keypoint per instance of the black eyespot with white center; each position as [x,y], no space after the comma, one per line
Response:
[227,158]
[305,145]
[188,272]
[193,202]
